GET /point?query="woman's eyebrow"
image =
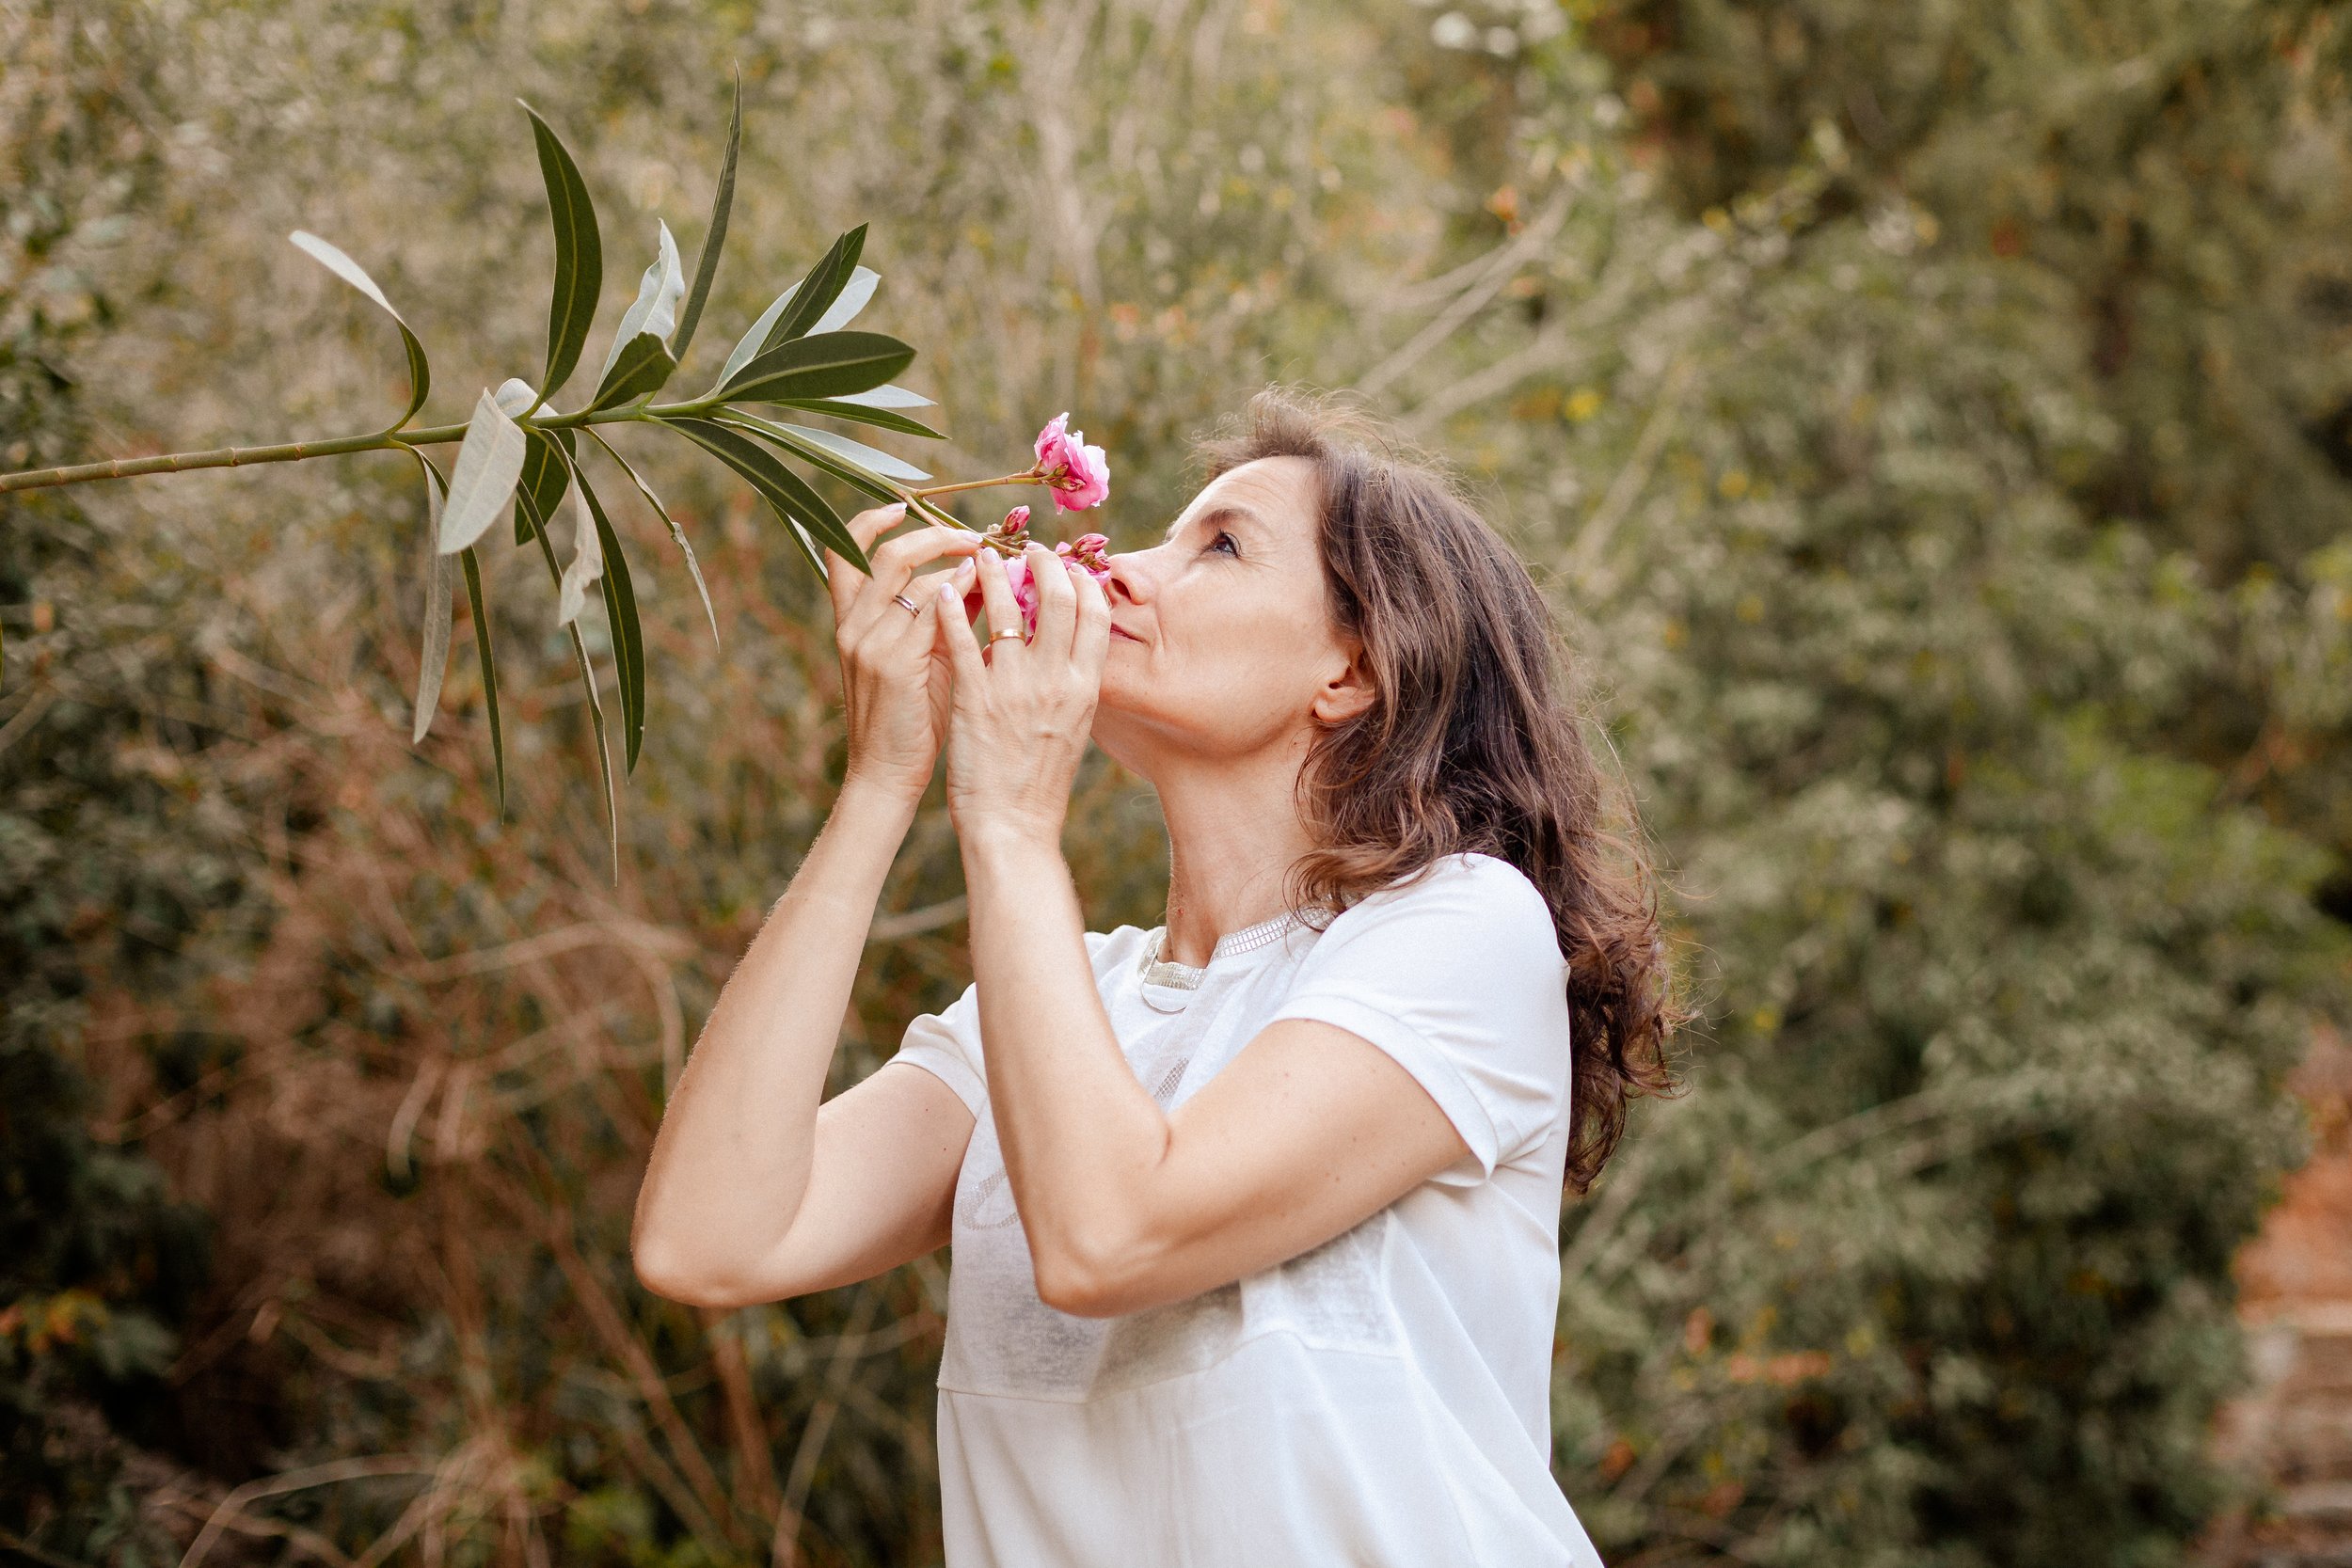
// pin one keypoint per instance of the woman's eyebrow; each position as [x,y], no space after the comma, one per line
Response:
[1227,512]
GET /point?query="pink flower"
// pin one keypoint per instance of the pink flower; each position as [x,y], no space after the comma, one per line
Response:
[1078,474]
[1015,521]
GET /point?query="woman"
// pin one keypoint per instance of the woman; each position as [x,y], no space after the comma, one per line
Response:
[1254,1215]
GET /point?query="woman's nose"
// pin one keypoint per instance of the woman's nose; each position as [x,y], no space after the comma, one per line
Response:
[1130,578]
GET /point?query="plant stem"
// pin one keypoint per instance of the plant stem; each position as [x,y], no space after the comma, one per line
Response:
[1027,476]
[295,452]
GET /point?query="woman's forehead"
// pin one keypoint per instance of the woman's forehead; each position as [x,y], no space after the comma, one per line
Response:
[1275,493]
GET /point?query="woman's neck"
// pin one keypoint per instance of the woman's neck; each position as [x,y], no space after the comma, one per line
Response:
[1233,833]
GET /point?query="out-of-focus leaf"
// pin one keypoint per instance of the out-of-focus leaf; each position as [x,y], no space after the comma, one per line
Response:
[489,462]
[440,580]
[489,668]
[888,397]
[678,535]
[785,490]
[822,367]
[587,565]
[547,472]
[880,418]
[343,266]
[816,457]
[749,344]
[714,237]
[818,290]
[579,256]
[629,637]
[854,297]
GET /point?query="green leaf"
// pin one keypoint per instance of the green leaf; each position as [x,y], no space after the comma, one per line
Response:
[882,419]
[785,490]
[854,297]
[639,362]
[822,367]
[547,472]
[714,237]
[749,343]
[818,290]
[343,266]
[489,670]
[889,396]
[816,457]
[488,463]
[440,574]
[678,535]
[579,256]
[571,594]
[643,368]
[629,637]
[872,459]
[587,678]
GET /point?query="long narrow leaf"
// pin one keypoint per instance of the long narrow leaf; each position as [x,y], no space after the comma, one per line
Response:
[855,295]
[440,574]
[785,490]
[678,535]
[579,256]
[587,681]
[714,237]
[816,457]
[880,418]
[546,473]
[587,566]
[343,266]
[872,459]
[754,337]
[889,396]
[822,367]
[642,367]
[489,460]
[629,636]
[489,668]
[818,289]
[654,311]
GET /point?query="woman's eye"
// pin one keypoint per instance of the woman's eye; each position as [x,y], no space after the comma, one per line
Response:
[1225,542]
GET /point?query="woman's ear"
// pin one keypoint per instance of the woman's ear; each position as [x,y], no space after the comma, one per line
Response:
[1347,694]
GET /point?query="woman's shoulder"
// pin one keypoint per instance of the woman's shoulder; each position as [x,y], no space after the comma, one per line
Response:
[1468,880]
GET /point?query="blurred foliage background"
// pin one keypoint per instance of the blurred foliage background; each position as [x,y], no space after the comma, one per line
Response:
[1934,421]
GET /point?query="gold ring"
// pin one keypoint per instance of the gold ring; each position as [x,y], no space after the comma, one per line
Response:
[908,605]
[996,637]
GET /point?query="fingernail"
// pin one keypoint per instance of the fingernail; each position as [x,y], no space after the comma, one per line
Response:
[896,506]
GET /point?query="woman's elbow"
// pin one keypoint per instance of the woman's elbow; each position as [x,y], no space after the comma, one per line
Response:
[673,1274]
[1101,1279]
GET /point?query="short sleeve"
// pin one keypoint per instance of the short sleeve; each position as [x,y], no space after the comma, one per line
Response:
[947,1045]
[1459,978]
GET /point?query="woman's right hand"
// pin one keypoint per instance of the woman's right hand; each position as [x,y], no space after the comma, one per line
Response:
[895,677]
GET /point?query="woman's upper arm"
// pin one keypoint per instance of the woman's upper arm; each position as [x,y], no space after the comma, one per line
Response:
[881,1185]
[1309,1131]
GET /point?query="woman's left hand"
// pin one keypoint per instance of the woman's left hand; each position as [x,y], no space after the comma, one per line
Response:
[1020,711]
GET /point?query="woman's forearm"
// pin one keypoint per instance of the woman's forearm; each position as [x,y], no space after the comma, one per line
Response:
[1081,1138]
[731,1163]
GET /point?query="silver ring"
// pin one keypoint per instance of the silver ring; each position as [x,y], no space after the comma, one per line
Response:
[908,605]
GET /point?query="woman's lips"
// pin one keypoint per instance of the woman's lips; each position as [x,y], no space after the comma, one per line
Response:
[1128,635]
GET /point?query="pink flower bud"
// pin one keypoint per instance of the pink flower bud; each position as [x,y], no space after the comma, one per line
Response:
[1078,474]
[1015,520]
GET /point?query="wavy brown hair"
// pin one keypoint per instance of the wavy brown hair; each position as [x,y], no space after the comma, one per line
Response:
[1469,744]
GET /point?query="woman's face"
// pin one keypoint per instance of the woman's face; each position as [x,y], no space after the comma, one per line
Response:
[1221,637]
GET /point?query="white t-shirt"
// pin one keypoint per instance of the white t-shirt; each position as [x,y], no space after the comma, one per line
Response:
[1380,1402]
